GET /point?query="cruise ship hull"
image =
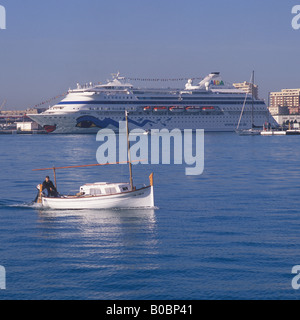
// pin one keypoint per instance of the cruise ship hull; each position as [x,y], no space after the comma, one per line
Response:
[212,106]
[92,123]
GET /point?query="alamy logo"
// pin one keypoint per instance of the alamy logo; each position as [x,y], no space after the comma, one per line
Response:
[296,19]
[160,146]
[295,280]
[2,278]
[2,18]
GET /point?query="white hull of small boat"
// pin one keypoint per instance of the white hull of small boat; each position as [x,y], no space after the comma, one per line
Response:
[141,198]
[249,132]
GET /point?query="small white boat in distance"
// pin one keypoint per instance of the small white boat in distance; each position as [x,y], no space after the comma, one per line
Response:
[248,132]
[252,131]
[101,195]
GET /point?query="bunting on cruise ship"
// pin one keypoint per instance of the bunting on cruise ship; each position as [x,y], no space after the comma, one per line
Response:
[50,100]
[162,80]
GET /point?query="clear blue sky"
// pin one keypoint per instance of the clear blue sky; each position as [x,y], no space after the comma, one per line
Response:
[49,46]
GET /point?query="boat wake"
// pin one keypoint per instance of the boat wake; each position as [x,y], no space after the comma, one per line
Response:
[27,205]
[12,204]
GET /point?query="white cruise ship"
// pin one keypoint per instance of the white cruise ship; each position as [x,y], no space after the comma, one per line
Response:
[212,105]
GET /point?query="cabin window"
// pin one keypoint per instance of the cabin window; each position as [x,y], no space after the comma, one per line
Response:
[110,190]
[95,192]
[124,188]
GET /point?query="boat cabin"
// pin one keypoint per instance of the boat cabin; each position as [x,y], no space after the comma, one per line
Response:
[104,188]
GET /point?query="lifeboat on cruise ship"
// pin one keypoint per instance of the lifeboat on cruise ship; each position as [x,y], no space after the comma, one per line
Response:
[193,109]
[176,109]
[160,109]
[208,108]
[147,109]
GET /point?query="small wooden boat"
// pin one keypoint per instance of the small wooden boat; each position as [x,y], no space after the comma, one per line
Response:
[101,195]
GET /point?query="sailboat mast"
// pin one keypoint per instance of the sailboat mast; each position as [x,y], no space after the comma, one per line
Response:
[54,173]
[268,110]
[129,154]
[252,91]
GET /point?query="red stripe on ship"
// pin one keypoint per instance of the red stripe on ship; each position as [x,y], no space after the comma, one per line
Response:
[50,129]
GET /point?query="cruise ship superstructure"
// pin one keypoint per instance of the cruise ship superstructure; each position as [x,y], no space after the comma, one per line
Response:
[212,105]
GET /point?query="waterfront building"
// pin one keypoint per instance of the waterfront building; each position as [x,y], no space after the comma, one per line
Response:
[285,98]
[285,106]
[27,126]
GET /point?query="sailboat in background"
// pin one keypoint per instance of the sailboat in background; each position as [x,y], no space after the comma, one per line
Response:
[253,131]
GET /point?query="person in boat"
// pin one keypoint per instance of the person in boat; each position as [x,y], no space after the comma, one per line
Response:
[49,186]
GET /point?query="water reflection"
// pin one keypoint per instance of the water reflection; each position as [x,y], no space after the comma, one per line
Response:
[110,233]
[90,221]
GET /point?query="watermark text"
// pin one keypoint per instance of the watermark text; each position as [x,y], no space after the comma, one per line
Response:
[156,148]
[2,278]
[2,18]
[296,19]
[296,279]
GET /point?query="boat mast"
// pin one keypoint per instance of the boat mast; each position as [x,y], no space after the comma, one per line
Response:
[252,91]
[129,154]
[268,110]
[54,173]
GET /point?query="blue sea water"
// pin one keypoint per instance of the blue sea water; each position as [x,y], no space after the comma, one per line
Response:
[230,233]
